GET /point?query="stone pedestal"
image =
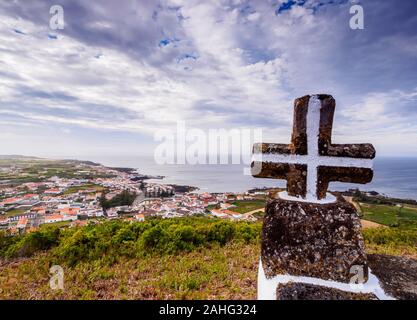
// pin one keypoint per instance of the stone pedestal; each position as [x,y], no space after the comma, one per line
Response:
[314,251]
[305,291]
[312,246]
[313,240]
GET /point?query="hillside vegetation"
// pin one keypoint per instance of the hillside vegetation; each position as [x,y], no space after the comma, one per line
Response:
[110,240]
[185,258]
[404,217]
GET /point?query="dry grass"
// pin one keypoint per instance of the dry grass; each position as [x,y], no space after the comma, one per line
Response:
[397,250]
[227,272]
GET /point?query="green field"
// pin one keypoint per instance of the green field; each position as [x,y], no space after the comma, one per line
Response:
[35,170]
[244,206]
[390,215]
[259,214]
[15,212]
[75,189]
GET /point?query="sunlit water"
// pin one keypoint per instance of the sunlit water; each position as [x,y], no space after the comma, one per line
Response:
[396,177]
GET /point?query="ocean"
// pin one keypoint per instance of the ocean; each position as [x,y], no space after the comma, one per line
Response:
[395,177]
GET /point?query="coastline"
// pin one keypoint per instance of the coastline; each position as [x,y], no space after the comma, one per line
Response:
[395,177]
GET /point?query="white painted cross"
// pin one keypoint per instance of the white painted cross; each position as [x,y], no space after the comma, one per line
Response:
[311,161]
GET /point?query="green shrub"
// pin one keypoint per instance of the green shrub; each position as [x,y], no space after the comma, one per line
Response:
[125,198]
[154,238]
[391,236]
[6,242]
[113,239]
[27,245]
[248,232]
[222,232]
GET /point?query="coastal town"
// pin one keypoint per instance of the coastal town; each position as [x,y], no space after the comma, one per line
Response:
[39,192]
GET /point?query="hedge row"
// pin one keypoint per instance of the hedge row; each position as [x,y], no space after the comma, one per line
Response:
[110,240]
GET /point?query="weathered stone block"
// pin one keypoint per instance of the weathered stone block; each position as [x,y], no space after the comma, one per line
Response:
[397,275]
[305,291]
[313,240]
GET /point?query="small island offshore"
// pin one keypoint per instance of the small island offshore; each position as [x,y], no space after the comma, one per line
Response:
[96,222]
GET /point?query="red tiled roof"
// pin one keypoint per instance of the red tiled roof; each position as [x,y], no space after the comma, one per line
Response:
[54,217]
[23,221]
[27,196]
[69,211]
[10,200]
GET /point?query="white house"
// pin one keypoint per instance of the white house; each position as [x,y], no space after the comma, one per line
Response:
[54,218]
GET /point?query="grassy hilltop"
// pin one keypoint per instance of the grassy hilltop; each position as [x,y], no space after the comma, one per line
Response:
[179,258]
[187,258]
[172,259]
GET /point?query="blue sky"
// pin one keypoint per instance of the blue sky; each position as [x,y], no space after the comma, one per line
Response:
[122,69]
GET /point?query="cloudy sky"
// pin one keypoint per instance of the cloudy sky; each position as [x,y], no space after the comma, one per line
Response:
[120,70]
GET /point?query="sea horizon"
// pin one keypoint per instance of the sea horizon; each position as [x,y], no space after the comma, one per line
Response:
[393,176]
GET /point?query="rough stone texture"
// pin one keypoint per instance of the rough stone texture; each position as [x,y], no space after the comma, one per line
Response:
[357,150]
[326,148]
[299,130]
[342,174]
[306,239]
[304,291]
[296,174]
[274,148]
[397,275]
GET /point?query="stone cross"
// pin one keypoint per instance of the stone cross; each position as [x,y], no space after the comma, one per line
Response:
[311,161]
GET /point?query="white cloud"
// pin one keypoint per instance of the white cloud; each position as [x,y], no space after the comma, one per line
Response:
[223,64]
